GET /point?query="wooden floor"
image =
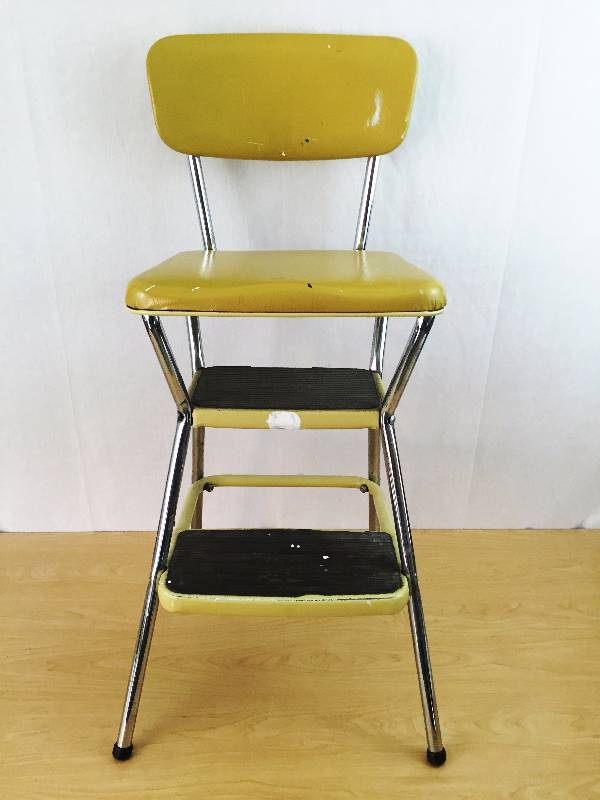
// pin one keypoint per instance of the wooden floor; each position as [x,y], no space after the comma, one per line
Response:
[239,708]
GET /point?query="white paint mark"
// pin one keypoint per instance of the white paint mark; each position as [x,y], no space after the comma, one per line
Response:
[376,115]
[284,420]
[324,556]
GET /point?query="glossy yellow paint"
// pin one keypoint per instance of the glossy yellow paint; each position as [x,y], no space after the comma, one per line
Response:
[308,605]
[281,97]
[296,282]
[259,419]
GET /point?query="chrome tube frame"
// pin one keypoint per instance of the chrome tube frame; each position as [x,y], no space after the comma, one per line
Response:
[166,359]
[435,750]
[386,434]
[193,323]
[201,198]
[406,364]
[366,203]
[208,238]
[378,343]
[436,753]
[360,243]
[195,343]
[123,746]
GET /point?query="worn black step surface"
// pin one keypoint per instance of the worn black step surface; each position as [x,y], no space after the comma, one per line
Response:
[311,389]
[283,563]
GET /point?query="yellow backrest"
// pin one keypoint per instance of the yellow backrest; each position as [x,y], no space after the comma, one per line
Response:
[281,97]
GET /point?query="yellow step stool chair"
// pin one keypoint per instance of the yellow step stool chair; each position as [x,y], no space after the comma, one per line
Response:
[284,97]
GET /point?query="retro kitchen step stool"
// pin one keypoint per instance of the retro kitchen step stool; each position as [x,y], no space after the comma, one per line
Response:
[284,97]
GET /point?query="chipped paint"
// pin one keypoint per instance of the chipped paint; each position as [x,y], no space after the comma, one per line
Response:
[284,420]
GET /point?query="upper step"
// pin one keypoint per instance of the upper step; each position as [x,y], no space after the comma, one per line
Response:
[286,397]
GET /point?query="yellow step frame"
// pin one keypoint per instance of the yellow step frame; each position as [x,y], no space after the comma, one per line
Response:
[307,605]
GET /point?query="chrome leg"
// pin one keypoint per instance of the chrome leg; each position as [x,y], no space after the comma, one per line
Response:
[407,363]
[123,746]
[378,345]
[374,473]
[195,344]
[436,754]
[198,437]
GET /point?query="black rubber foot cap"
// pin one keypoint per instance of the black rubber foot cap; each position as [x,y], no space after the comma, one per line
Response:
[436,759]
[122,753]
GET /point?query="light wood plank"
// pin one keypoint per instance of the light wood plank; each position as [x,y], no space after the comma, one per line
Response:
[249,708]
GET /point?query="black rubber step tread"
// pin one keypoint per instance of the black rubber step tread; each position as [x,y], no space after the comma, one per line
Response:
[283,563]
[286,388]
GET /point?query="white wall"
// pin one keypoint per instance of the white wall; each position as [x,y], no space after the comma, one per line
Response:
[496,191]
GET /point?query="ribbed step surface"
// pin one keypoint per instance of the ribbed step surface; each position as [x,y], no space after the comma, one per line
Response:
[283,563]
[314,388]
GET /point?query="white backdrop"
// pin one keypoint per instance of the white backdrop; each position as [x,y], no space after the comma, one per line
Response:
[496,191]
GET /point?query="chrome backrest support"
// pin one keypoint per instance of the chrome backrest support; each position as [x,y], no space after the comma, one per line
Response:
[360,243]
[208,237]
[202,207]
[366,203]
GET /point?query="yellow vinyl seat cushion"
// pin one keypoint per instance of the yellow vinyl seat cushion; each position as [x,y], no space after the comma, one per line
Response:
[294,283]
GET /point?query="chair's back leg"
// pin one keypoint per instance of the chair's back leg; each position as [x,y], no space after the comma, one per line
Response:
[436,754]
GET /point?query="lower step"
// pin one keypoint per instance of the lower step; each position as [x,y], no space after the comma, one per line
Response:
[283,572]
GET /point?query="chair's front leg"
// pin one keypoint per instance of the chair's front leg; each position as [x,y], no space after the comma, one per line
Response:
[123,746]
[436,754]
